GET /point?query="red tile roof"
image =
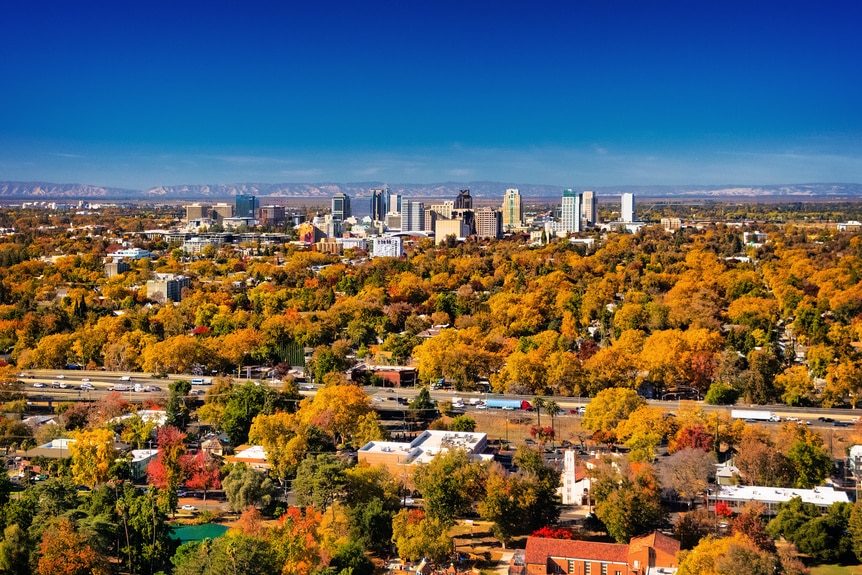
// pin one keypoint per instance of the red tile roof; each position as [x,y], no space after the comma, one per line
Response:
[656,540]
[539,549]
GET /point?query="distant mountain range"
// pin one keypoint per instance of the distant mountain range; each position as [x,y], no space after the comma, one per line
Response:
[52,191]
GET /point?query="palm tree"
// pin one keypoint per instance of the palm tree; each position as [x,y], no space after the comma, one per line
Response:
[553,409]
[538,403]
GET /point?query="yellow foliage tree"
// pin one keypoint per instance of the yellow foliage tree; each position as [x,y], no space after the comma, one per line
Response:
[92,454]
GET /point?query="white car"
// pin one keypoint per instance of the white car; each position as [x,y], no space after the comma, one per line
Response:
[85,380]
[61,376]
[39,384]
[189,508]
[87,386]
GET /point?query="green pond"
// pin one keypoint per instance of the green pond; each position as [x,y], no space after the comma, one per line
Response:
[198,532]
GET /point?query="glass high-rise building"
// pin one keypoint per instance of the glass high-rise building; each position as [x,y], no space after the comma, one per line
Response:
[245,206]
[379,204]
[464,201]
[340,207]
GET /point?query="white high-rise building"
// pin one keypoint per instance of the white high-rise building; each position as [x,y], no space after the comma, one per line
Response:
[589,208]
[513,213]
[570,211]
[387,247]
[627,208]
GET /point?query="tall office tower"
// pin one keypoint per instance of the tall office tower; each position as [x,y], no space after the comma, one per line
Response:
[197,212]
[379,201]
[489,223]
[513,212]
[272,215]
[340,207]
[570,212]
[413,217]
[589,208]
[393,204]
[246,206]
[444,209]
[222,211]
[464,201]
[431,220]
[627,207]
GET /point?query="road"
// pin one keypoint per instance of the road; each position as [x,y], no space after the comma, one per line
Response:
[385,398]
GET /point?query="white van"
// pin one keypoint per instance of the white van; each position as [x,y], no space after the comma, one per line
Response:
[125,378]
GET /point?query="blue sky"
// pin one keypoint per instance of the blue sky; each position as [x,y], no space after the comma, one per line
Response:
[577,93]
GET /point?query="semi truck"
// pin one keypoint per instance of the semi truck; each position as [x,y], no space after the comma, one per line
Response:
[755,414]
[509,404]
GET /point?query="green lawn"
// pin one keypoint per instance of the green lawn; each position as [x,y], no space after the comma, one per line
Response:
[837,570]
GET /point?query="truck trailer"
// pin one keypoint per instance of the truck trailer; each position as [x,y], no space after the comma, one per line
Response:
[754,414]
[509,404]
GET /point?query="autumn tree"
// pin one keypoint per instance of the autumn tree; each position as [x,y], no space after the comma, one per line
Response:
[65,551]
[688,472]
[418,535]
[92,454]
[202,471]
[609,407]
[166,470]
[337,410]
[644,430]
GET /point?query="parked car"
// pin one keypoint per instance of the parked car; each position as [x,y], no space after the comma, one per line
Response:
[189,508]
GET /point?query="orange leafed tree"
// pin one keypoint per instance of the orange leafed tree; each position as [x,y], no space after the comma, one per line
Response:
[64,551]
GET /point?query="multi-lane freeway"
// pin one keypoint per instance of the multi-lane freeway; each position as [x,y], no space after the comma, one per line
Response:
[66,385]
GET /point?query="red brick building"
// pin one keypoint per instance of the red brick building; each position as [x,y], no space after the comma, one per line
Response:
[647,555]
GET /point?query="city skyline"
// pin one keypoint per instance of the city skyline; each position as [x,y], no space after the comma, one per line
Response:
[575,96]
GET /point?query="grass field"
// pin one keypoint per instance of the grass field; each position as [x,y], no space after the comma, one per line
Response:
[837,570]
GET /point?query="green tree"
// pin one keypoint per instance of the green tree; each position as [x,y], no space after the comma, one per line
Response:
[423,406]
[177,412]
[319,481]
[822,535]
[15,550]
[244,404]
[463,423]
[449,483]
[627,499]
[721,394]
[246,487]
[234,553]
[811,463]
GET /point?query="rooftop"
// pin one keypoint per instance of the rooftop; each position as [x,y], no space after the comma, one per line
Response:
[822,496]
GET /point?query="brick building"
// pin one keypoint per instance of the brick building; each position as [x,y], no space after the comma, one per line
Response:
[647,555]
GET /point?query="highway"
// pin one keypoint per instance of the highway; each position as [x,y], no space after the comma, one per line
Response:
[384,398]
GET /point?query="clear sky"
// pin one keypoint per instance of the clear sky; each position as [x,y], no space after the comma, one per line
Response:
[573,93]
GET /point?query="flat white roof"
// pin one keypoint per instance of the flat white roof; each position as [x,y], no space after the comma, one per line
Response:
[426,446]
[822,496]
[143,454]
